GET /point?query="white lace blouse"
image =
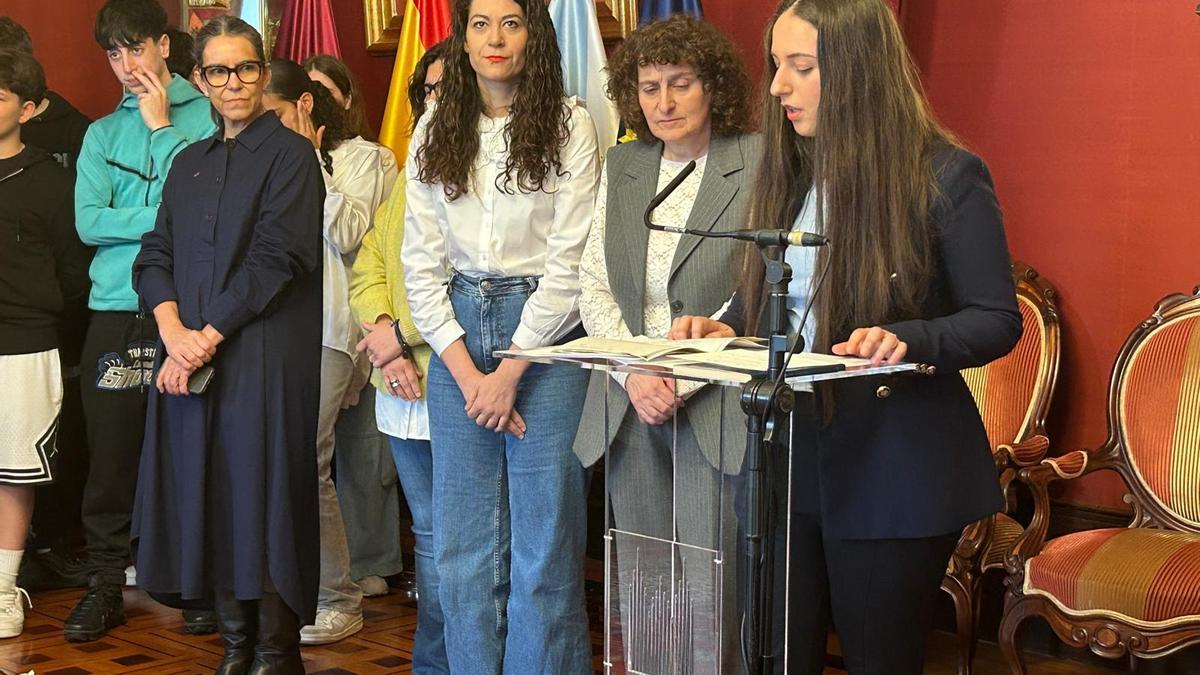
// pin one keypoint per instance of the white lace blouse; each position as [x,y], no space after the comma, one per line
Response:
[597,306]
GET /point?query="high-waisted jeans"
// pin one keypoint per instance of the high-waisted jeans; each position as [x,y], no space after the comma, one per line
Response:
[509,514]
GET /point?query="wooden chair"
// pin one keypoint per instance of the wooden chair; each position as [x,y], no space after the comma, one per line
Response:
[1013,395]
[1125,591]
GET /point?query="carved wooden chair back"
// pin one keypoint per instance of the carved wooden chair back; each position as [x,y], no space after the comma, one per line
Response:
[1013,393]
[1154,416]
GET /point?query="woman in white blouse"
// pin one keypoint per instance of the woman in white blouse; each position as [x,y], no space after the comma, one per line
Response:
[681,86]
[501,178]
[358,176]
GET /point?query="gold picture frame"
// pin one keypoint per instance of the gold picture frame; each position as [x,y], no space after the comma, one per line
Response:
[625,12]
[383,19]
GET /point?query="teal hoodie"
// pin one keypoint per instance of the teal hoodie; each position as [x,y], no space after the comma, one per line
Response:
[121,171]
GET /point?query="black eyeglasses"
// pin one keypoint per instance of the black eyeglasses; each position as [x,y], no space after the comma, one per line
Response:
[248,72]
[431,87]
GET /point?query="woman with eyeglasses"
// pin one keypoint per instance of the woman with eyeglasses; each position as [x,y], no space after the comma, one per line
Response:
[226,508]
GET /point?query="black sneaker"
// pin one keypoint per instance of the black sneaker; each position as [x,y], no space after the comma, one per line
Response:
[199,622]
[101,609]
[62,570]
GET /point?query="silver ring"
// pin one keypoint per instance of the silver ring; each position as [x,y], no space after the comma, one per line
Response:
[394,383]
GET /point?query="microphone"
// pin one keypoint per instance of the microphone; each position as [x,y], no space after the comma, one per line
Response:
[764,237]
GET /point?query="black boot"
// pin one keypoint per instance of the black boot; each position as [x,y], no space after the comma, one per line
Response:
[277,650]
[101,608]
[199,622]
[238,624]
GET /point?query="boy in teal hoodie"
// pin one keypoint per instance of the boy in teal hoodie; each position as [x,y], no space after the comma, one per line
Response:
[120,176]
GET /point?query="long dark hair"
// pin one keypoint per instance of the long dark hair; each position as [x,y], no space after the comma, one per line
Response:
[289,81]
[416,84]
[538,122]
[871,160]
[337,70]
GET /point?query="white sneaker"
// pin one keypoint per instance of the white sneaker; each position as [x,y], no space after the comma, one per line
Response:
[12,612]
[373,586]
[331,625]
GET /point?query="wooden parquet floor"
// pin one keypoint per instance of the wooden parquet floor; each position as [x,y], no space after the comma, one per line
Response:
[153,641]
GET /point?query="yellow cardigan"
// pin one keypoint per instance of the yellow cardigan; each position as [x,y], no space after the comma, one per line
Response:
[377,280]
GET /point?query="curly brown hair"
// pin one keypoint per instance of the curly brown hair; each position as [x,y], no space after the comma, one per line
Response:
[677,40]
[538,121]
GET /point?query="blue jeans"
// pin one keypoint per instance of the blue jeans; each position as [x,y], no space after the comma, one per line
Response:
[414,465]
[509,514]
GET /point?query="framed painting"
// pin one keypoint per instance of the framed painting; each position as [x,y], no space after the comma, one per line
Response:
[383,19]
[264,15]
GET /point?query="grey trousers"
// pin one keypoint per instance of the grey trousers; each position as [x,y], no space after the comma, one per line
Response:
[642,470]
[367,488]
[338,590]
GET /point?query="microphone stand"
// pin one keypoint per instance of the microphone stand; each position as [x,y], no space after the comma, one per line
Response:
[767,401]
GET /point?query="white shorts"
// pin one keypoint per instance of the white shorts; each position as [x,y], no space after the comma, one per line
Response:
[31,394]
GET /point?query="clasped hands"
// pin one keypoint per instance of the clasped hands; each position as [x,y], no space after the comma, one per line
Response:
[400,375]
[187,350]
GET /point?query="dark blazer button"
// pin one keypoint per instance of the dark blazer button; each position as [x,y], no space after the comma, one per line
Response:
[883,392]
[677,306]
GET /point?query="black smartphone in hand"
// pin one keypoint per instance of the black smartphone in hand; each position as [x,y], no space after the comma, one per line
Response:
[200,379]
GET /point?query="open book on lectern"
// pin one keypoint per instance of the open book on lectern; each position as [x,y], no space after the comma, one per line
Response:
[740,354]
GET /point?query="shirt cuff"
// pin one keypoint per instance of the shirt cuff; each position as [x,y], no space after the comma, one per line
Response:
[526,338]
[619,376]
[156,286]
[444,336]
[685,389]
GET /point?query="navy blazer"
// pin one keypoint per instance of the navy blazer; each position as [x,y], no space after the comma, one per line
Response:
[917,462]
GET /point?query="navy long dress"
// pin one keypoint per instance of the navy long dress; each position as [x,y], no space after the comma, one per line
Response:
[227,485]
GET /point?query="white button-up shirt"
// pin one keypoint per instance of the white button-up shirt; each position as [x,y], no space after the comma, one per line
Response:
[363,176]
[488,232]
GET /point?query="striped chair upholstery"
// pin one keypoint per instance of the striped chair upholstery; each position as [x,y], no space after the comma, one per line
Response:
[1142,576]
[1006,389]
[1160,416]
[1012,394]
[1136,590]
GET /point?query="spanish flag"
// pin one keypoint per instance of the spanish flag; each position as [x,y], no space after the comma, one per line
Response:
[425,23]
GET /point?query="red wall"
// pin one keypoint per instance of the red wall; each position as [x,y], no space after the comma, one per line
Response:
[374,73]
[63,43]
[744,21]
[75,67]
[1086,112]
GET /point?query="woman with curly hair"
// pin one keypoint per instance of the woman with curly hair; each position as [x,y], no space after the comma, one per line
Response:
[681,86]
[886,471]
[501,179]
[359,175]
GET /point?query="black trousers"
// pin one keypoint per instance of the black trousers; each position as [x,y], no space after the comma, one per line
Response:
[116,369]
[877,593]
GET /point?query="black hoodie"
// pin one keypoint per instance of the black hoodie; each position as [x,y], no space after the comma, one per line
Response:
[42,262]
[58,130]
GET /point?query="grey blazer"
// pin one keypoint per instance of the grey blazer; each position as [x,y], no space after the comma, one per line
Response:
[702,279]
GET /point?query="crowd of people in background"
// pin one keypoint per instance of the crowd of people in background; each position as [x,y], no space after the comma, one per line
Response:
[233,316]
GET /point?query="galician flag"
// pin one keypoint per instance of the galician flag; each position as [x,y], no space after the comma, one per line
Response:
[584,63]
[426,23]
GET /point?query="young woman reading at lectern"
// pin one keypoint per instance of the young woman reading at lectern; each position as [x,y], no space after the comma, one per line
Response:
[886,470]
